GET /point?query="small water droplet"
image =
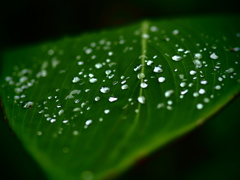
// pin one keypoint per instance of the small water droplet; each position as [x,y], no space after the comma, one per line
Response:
[199,106]
[28,105]
[141,76]
[60,112]
[161,79]
[105,89]
[138,67]
[98,65]
[125,86]
[97,98]
[39,133]
[217,87]
[192,72]
[198,56]
[149,62]
[197,63]
[75,133]
[201,91]
[141,99]
[214,56]
[206,100]
[76,79]
[113,99]
[88,51]
[145,36]
[143,85]
[204,82]
[175,32]
[168,93]
[158,69]
[176,58]
[92,80]
[183,84]
[106,111]
[230,70]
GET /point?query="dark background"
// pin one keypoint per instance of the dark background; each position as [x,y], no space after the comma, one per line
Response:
[210,152]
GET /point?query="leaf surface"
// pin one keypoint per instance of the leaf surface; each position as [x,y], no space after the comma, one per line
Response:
[87,107]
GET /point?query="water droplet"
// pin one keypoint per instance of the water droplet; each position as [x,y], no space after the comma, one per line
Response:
[214,56]
[98,65]
[183,84]
[92,80]
[175,32]
[141,99]
[217,87]
[153,28]
[28,105]
[198,56]
[161,79]
[206,100]
[192,72]
[149,62]
[105,89]
[143,85]
[195,94]
[39,133]
[145,36]
[106,111]
[204,82]
[141,76]
[107,72]
[97,98]
[199,106]
[113,99]
[88,122]
[76,79]
[168,93]
[201,91]
[88,51]
[80,63]
[52,120]
[137,68]
[110,53]
[60,112]
[197,63]
[125,86]
[177,58]
[158,69]
[230,70]
[75,133]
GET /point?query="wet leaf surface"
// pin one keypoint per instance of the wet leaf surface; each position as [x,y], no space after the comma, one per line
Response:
[88,107]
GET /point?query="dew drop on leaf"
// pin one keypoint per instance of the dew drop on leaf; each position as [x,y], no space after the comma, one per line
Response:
[28,105]
[214,56]
[105,89]
[141,99]
[177,58]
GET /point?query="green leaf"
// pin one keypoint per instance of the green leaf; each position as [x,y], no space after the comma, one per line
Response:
[88,107]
